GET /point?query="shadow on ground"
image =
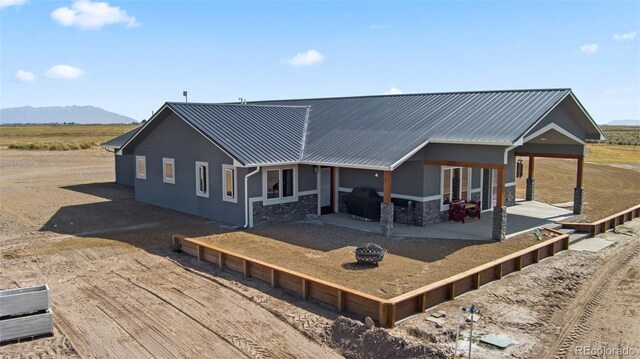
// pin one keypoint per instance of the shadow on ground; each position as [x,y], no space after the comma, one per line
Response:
[120,218]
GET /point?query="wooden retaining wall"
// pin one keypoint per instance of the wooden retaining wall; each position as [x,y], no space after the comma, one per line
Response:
[385,311]
[605,224]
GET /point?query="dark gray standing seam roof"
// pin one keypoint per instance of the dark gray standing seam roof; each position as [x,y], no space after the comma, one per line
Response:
[379,131]
[252,134]
[119,141]
[370,131]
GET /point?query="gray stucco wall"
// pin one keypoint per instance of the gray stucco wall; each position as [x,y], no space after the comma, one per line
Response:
[467,153]
[407,179]
[568,116]
[552,149]
[354,177]
[125,170]
[173,138]
[307,178]
[431,185]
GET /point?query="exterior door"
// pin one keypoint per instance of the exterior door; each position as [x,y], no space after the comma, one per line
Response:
[326,190]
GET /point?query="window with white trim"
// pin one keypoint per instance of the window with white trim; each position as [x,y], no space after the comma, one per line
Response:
[455,184]
[229,184]
[202,179]
[141,167]
[168,170]
[280,184]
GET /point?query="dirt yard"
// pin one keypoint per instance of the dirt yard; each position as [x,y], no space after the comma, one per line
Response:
[609,188]
[326,252]
[119,291]
[117,288]
[551,310]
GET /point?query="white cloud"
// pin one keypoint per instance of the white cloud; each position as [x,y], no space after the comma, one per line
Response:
[589,48]
[305,58]
[7,3]
[92,15]
[394,91]
[65,72]
[627,36]
[380,27]
[25,76]
[618,91]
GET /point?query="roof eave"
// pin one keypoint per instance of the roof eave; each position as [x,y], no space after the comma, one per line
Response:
[155,115]
[602,135]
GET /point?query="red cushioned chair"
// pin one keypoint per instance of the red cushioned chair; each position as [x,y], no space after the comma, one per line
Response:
[457,210]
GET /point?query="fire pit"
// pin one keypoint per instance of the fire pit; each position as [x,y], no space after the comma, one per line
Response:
[370,254]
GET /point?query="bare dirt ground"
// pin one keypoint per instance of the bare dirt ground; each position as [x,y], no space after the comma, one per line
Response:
[326,252]
[118,290]
[553,309]
[608,188]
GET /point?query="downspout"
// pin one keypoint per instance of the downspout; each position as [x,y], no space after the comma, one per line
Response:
[246,196]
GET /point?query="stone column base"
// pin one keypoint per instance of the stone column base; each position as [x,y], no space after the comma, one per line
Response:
[578,198]
[531,189]
[499,224]
[386,218]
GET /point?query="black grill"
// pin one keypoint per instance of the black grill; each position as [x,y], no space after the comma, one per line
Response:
[364,202]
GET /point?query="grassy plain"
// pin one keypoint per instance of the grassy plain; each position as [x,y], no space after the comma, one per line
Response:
[622,135]
[58,136]
[616,154]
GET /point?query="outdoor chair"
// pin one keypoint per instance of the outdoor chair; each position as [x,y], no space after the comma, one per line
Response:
[457,210]
[473,209]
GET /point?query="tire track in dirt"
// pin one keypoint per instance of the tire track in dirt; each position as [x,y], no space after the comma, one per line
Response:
[250,348]
[307,324]
[578,323]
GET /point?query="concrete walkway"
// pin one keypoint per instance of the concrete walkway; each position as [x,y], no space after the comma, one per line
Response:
[522,217]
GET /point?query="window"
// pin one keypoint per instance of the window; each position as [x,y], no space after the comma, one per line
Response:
[455,184]
[168,170]
[279,184]
[229,184]
[141,167]
[202,179]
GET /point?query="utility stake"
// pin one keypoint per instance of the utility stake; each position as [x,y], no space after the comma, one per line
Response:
[472,310]
[460,316]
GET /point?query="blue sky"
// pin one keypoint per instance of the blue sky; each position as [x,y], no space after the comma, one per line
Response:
[132,56]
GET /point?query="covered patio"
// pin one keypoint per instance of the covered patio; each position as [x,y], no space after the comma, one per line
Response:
[524,216]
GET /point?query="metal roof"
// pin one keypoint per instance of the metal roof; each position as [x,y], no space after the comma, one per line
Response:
[379,131]
[119,141]
[252,134]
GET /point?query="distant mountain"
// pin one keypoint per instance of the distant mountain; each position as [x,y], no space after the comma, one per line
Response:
[624,123]
[60,114]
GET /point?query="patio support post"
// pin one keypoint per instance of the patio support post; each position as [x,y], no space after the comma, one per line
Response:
[499,232]
[386,207]
[531,180]
[578,192]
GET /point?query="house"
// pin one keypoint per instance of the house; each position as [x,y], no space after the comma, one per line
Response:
[125,164]
[250,164]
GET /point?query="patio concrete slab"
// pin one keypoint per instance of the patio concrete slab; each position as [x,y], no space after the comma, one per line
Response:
[591,244]
[522,217]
